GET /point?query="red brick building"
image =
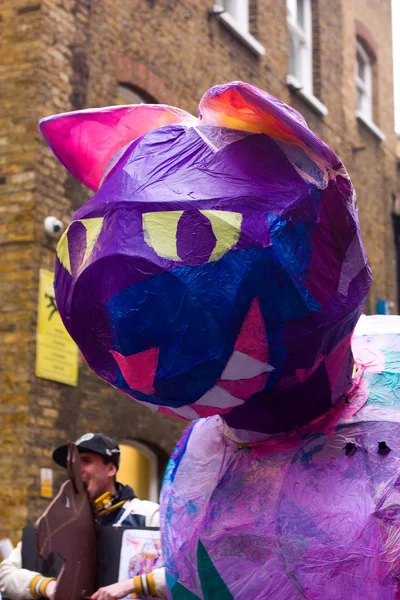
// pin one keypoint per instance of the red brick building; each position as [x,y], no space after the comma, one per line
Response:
[331,60]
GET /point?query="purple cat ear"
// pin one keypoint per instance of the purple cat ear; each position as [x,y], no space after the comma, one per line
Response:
[85,141]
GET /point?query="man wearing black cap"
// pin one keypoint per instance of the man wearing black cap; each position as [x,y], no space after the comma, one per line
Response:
[114,504]
[100,456]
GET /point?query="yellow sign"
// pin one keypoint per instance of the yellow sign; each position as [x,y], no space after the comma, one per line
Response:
[57,356]
[46,483]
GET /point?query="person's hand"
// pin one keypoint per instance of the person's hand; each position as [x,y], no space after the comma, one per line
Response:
[50,589]
[114,591]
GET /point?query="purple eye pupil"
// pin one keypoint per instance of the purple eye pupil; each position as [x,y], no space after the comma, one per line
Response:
[195,238]
[77,245]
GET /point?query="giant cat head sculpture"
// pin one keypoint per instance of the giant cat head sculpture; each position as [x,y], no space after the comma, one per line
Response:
[219,266]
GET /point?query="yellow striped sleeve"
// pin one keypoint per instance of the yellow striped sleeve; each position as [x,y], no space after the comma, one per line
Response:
[32,586]
[152,584]
[137,582]
[43,585]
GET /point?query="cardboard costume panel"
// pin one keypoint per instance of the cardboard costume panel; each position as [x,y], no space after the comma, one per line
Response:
[67,529]
[31,559]
[121,553]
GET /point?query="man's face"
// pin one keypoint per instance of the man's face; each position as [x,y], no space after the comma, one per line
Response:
[97,476]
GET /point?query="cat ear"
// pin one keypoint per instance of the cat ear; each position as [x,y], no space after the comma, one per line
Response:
[85,141]
[239,105]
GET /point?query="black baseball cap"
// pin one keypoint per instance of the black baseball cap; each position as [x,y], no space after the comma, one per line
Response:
[90,442]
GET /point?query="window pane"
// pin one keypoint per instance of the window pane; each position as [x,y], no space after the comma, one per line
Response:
[291,7]
[229,5]
[364,82]
[292,57]
[239,10]
[359,100]
[360,67]
[300,13]
[300,42]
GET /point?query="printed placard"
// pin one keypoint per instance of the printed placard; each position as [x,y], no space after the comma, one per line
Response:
[140,554]
[57,355]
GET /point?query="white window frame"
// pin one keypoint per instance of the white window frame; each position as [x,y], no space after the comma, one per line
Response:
[234,15]
[301,38]
[239,11]
[300,82]
[364,112]
[364,86]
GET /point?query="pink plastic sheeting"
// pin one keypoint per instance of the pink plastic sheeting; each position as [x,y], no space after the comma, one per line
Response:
[86,141]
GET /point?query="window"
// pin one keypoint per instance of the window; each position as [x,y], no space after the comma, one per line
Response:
[235,16]
[239,11]
[300,76]
[300,42]
[139,469]
[367,108]
[364,83]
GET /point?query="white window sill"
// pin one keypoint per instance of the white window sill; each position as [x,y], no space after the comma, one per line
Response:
[297,88]
[244,36]
[371,126]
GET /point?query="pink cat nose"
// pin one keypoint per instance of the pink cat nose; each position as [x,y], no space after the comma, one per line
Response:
[139,369]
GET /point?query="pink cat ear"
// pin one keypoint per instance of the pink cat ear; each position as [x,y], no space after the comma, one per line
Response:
[85,141]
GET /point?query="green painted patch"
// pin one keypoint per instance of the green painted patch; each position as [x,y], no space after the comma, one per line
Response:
[212,584]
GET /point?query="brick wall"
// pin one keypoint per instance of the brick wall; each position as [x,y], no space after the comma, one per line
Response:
[372,165]
[61,55]
[19,48]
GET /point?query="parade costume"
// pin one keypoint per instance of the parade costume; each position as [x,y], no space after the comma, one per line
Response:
[219,272]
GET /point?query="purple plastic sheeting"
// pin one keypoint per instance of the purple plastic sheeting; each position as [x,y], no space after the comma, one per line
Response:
[312,514]
[219,267]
